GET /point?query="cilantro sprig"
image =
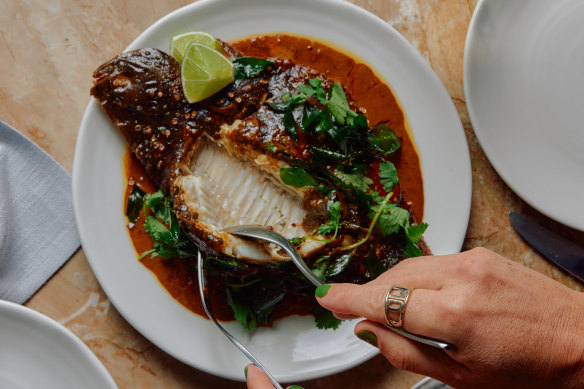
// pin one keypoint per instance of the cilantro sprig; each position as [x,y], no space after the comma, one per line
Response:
[160,223]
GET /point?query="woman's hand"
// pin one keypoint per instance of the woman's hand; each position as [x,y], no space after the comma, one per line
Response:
[512,327]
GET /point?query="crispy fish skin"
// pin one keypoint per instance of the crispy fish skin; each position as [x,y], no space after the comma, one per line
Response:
[142,94]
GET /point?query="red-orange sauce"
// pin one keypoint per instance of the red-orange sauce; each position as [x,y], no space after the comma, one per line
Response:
[178,276]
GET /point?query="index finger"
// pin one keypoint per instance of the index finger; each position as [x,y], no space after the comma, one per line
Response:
[422,313]
[423,274]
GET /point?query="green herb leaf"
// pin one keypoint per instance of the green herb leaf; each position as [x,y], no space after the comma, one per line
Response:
[412,250]
[135,204]
[288,101]
[338,265]
[242,312]
[384,139]
[356,180]
[298,240]
[249,67]
[334,216]
[227,262]
[297,177]
[154,201]
[271,147]
[309,115]
[325,156]
[157,230]
[289,122]
[339,105]
[324,121]
[392,219]
[306,90]
[324,318]
[373,265]
[414,233]
[388,176]
[325,229]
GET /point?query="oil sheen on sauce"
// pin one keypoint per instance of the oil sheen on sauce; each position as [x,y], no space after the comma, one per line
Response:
[178,276]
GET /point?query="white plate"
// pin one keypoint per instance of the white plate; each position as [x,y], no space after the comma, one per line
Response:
[293,350]
[523,83]
[38,352]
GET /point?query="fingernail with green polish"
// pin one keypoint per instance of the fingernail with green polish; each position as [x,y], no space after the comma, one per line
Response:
[245,372]
[322,290]
[368,337]
[295,387]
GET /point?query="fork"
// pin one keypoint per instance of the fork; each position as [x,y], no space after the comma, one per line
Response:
[262,233]
[208,310]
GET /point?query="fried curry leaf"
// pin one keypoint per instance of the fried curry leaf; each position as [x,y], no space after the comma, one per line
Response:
[327,266]
[249,67]
[373,265]
[324,121]
[134,204]
[289,122]
[384,138]
[325,156]
[388,176]
[297,177]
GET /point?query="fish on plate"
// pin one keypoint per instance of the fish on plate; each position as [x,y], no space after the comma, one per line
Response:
[287,149]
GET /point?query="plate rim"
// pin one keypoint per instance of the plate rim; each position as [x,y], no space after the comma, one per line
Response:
[190,8]
[42,322]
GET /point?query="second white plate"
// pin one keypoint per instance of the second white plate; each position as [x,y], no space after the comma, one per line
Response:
[38,352]
[523,84]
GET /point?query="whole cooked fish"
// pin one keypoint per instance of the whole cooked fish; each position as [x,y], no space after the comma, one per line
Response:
[211,157]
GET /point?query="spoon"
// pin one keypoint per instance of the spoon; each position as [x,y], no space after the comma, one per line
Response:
[262,233]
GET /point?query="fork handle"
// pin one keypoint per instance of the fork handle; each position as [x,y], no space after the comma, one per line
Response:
[422,339]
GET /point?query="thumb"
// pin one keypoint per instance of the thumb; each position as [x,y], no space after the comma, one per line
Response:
[256,378]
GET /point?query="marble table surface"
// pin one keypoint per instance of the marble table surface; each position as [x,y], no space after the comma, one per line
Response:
[48,52]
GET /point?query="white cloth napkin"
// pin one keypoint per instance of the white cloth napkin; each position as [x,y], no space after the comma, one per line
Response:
[37,227]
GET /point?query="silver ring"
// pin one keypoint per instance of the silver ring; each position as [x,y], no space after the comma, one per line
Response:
[396,300]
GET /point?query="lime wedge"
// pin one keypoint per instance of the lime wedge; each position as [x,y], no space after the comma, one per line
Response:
[204,72]
[180,43]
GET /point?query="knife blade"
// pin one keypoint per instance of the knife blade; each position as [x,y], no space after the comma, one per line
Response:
[562,252]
